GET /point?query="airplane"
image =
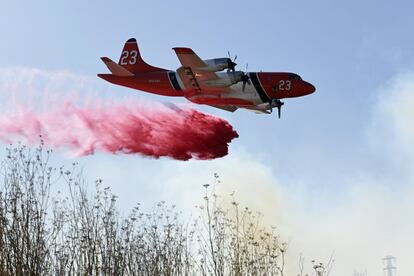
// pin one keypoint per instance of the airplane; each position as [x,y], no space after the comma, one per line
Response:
[213,82]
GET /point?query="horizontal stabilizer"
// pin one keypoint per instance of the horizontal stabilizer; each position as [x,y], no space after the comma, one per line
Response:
[115,68]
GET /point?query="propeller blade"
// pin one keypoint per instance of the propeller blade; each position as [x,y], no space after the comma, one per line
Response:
[278,104]
[279,108]
[245,79]
[231,64]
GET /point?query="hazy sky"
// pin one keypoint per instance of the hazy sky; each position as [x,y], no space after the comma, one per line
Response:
[335,172]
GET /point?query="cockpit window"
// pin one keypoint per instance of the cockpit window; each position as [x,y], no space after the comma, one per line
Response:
[295,77]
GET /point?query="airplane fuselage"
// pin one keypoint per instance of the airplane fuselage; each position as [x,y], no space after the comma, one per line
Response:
[264,87]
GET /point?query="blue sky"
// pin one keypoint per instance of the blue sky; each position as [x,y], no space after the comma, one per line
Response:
[352,51]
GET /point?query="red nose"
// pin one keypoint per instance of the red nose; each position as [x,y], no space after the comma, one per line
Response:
[309,88]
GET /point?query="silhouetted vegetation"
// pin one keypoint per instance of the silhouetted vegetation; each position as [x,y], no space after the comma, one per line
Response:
[77,233]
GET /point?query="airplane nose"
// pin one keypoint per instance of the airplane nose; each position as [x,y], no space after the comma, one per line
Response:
[310,88]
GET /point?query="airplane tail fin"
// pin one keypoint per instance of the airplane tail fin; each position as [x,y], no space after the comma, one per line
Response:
[132,61]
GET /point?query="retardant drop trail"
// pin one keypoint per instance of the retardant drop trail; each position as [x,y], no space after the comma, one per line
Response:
[177,133]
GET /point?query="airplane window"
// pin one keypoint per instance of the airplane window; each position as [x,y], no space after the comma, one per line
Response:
[294,76]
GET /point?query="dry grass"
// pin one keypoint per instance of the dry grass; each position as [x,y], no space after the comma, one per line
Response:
[77,233]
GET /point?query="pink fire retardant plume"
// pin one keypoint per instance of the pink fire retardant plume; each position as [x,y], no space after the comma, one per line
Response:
[177,133]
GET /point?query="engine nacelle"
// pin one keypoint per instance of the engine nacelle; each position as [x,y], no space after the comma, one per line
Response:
[226,79]
[215,65]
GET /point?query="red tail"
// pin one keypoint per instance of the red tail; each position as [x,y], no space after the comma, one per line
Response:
[132,61]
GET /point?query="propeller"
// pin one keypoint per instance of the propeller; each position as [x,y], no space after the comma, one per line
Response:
[231,64]
[245,78]
[279,108]
[278,104]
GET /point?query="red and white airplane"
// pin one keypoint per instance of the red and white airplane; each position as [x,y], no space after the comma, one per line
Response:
[205,81]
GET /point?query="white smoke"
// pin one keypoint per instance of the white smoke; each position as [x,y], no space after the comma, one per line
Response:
[373,218]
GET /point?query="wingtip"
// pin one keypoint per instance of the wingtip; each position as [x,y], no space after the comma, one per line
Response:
[183,50]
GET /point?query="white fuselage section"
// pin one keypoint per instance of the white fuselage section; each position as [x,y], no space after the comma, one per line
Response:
[250,93]
[231,81]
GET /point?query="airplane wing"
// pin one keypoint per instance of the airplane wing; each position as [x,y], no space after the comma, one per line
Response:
[230,108]
[188,58]
[191,77]
[257,110]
